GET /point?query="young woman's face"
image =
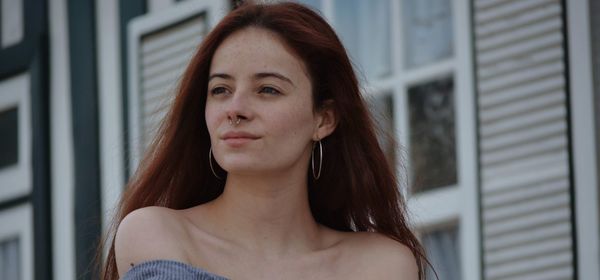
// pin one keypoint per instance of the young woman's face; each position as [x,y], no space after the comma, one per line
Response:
[259,109]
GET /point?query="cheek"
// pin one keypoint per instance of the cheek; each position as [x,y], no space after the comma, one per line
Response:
[294,123]
[211,119]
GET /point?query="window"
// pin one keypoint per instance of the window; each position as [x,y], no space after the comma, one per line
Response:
[416,58]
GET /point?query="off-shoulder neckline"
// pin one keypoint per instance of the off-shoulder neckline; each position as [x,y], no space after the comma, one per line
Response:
[176,263]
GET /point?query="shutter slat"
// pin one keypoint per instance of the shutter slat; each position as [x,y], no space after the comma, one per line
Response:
[520,238]
[493,200]
[514,7]
[173,34]
[552,10]
[523,151]
[523,33]
[521,76]
[535,204]
[530,250]
[519,50]
[531,265]
[524,121]
[526,165]
[554,171]
[521,137]
[527,222]
[522,106]
[522,92]
[509,66]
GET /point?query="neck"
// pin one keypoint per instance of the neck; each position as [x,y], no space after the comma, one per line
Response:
[267,214]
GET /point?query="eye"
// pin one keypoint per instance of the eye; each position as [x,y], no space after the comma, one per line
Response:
[218,90]
[269,90]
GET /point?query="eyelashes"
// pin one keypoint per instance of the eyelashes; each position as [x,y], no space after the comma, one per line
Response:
[268,90]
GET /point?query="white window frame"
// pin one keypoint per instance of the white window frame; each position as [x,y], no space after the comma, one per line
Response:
[582,137]
[457,204]
[16,179]
[18,222]
[147,24]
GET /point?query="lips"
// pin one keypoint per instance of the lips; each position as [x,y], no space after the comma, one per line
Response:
[238,138]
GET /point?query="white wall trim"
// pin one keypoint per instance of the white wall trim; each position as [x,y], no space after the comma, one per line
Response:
[61,140]
[583,142]
[158,5]
[20,221]
[112,165]
[466,139]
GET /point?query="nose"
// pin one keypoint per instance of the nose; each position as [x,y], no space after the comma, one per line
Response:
[238,108]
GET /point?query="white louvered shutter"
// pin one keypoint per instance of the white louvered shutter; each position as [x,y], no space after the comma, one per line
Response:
[160,46]
[524,149]
[163,58]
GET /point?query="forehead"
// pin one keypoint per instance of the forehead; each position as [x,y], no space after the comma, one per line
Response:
[252,50]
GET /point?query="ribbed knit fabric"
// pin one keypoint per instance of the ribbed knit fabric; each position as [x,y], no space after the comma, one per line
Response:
[168,270]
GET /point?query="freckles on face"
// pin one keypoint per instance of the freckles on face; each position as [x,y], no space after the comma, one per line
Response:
[256,77]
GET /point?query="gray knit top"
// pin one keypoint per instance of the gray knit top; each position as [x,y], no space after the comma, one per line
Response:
[168,270]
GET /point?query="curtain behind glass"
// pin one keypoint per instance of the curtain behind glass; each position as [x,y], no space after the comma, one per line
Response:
[428,32]
[364,28]
[443,251]
[9,259]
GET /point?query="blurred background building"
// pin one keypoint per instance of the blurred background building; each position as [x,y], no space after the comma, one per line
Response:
[495,105]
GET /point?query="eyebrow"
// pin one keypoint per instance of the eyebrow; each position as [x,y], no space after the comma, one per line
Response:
[257,76]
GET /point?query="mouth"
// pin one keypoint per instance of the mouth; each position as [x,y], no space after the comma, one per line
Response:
[237,139]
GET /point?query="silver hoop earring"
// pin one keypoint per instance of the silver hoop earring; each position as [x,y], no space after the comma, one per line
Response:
[210,163]
[316,174]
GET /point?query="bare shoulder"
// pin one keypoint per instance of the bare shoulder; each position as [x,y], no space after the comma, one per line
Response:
[383,257]
[147,234]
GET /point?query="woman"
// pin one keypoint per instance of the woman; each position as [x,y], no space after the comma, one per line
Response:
[267,166]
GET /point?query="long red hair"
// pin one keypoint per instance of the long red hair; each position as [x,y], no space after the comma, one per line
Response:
[357,190]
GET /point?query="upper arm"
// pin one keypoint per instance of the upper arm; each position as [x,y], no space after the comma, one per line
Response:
[145,234]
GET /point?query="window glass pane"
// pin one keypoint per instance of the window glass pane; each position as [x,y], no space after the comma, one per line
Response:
[364,27]
[432,136]
[9,142]
[443,251]
[314,4]
[427,31]
[10,259]
[382,109]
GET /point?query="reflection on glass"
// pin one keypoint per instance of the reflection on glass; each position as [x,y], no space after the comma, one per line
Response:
[364,27]
[432,135]
[9,142]
[427,31]
[382,109]
[10,259]
[443,251]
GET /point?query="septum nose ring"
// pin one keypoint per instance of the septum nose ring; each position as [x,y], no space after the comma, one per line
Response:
[236,122]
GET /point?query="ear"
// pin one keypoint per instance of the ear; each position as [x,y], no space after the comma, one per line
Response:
[326,118]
